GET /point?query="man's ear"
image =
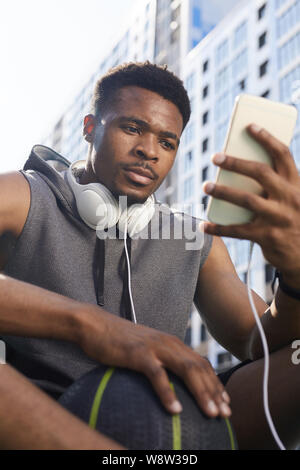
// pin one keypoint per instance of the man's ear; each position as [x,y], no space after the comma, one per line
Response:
[89,123]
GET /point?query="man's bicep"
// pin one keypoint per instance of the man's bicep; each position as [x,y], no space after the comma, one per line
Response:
[222,300]
[14,208]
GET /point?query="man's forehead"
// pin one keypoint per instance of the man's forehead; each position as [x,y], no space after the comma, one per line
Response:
[132,92]
[138,99]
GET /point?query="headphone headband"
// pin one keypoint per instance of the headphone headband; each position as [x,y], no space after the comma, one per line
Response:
[99,209]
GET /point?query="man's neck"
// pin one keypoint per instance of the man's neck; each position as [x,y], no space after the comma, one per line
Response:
[86,176]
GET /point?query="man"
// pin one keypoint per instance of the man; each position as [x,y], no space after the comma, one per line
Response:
[140,111]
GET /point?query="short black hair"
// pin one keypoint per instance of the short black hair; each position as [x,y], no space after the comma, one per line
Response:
[145,75]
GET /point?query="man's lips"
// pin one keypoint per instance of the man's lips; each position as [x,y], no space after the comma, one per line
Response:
[139,175]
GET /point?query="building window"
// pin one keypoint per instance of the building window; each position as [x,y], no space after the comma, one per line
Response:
[204,173]
[220,135]
[222,52]
[266,94]
[190,83]
[242,251]
[205,91]
[296,149]
[242,84]
[279,3]
[189,134]
[205,145]
[290,50]
[203,333]
[289,19]
[262,40]
[223,107]
[188,161]
[205,66]
[262,11]
[240,63]
[239,87]
[263,68]
[224,358]
[205,202]
[240,35]
[188,188]
[269,273]
[289,84]
[205,118]
[222,80]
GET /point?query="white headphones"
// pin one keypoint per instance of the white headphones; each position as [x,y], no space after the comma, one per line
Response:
[99,209]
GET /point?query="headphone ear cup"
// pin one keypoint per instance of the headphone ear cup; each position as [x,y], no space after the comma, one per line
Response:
[98,209]
[95,204]
[137,217]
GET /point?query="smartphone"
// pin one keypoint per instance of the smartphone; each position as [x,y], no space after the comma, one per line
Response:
[277,118]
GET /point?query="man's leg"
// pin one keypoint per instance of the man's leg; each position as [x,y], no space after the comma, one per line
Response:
[29,419]
[245,388]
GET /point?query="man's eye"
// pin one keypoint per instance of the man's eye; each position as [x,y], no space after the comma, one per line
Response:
[132,129]
[167,145]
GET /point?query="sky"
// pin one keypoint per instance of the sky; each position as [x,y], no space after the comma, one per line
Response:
[49,48]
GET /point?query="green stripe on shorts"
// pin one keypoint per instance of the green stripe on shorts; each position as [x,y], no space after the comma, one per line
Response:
[176,427]
[98,397]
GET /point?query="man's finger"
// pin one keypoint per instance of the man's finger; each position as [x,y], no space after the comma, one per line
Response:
[269,180]
[208,391]
[244,232]
[161,384]
[203,383]
[284,162]
[257,204]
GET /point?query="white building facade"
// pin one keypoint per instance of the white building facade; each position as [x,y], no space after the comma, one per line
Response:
[255,49]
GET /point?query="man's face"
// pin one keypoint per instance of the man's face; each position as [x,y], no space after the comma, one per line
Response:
[136,146]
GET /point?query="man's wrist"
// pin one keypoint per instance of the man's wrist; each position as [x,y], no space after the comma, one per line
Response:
[86,320]
[289,284]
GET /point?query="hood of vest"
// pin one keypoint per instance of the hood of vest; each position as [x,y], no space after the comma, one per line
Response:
[50,165]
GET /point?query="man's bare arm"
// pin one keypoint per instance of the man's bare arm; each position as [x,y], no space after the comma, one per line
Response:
[27,310]
[222,300]
[275,227]
[14,203]
[227,311]
[30,419]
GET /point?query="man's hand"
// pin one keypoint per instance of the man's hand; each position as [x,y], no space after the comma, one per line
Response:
[118,342]
[276,224]
[28,310]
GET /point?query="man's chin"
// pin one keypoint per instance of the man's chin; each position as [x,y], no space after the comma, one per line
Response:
[133,197]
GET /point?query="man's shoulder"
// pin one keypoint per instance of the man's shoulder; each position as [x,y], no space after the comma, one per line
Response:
[14,202]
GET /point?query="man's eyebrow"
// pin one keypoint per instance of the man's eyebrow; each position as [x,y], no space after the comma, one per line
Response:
[145,125]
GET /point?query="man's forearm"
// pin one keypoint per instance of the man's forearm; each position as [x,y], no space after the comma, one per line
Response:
[281,323]
[29,419]
[28,310]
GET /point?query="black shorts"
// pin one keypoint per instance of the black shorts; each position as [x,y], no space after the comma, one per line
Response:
[225,376]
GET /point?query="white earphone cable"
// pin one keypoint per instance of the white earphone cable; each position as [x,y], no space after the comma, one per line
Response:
[129,273]
[260,328]
[266,356]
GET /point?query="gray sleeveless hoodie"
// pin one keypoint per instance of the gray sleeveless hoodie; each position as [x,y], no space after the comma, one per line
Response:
[59,252]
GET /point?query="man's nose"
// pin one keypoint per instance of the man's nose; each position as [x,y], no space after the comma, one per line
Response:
[147,147]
